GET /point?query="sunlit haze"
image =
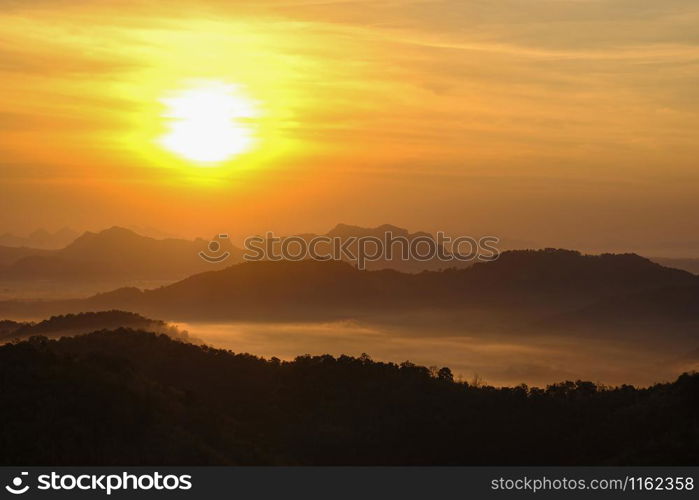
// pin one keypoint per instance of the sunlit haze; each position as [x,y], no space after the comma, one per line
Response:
[562,123]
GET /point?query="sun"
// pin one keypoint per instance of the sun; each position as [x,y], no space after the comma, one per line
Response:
[208,122]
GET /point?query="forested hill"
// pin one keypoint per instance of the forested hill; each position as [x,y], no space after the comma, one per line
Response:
[86,322]
[131,397]
[526,285]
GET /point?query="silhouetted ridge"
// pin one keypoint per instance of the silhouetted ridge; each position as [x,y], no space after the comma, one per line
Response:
[518,288]
[554,268]
[40,239]
[348,230]
[86,322]
[113,255]
[127,397]
[531,281]
[687,264]
[639,310]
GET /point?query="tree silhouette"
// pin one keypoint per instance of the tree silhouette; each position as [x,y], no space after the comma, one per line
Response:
[130,397]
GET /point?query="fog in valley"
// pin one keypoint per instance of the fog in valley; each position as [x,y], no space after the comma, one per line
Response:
[495,359]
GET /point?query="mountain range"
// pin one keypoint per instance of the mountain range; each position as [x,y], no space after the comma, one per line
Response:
[520,288]
[120,256]
[115,254]
[40,238]
[87,322]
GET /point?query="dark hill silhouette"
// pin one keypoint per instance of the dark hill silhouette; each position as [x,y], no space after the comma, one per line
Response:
[667,309]
[81,323]
[523,284]
[9,254]
[135,398]
[528,280]
[346,231]
[116,254]
[121,256]
[688,264]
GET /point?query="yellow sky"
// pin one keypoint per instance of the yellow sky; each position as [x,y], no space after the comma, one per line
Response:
[559,122]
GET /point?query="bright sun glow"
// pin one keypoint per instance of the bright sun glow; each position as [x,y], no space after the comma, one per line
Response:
[208,122]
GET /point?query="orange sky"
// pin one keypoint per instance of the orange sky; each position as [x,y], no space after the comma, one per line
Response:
[567,123]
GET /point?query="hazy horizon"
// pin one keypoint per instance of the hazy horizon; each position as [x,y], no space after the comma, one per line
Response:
[671,249]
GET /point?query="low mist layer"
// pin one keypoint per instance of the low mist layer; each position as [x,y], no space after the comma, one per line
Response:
[499,359]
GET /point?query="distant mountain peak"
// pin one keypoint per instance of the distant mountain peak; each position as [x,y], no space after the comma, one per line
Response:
[348,230]
[111,234]
[119,230]
[40,239]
